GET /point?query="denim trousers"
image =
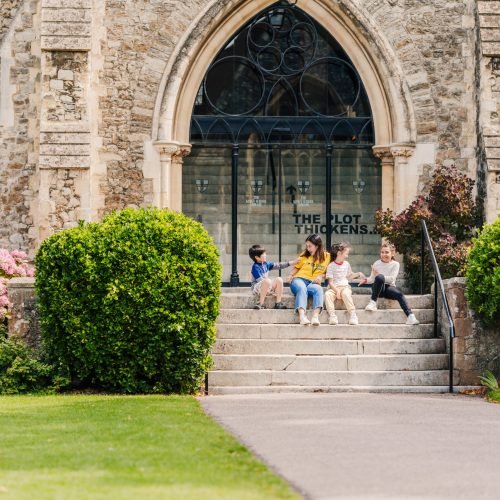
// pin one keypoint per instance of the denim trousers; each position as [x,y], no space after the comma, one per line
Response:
[302,289]
[380,289]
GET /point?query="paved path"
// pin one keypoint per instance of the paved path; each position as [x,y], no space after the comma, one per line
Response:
[371,446]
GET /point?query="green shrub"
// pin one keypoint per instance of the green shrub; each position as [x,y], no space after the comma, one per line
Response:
[451,217]
[130,304]
[21,371]
[483,273]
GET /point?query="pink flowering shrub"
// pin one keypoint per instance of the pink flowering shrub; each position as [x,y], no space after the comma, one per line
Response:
[12,264]
[451,217]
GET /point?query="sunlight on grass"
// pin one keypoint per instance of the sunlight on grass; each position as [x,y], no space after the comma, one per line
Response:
[123,447]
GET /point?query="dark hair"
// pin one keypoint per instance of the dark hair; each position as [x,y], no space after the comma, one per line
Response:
[338,247]
[315,239]
[256,251]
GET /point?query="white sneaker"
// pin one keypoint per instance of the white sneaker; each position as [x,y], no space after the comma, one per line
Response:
[353,320]
[333,320]
[411,320]
[304,320]
[315,320]
[372,306]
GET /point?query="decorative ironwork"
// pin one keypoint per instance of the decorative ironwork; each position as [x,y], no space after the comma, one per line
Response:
[282,78]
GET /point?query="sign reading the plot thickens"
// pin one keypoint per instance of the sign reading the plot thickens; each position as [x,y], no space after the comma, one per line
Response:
[340,224]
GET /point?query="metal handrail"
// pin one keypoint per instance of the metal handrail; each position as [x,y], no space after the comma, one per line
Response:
[438,283]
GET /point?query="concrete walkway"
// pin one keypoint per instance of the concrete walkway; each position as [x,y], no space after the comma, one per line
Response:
[371,446]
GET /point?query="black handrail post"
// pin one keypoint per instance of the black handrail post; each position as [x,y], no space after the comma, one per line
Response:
[450,359]
[206,384]
[422,255]
[436,284]
[329,152]
[235,279]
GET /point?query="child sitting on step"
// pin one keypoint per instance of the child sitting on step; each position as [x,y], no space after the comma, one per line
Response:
[338,273]
[261,284]
[383,280]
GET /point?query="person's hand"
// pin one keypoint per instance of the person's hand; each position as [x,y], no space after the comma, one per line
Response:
[289,278]
[319,280]
[363,281]
[361,276]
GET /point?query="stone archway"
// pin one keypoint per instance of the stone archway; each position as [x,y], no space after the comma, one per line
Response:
[372,55]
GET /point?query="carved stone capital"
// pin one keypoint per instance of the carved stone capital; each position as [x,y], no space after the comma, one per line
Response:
[166,148]
[383,153]
[403,151]
[183,150]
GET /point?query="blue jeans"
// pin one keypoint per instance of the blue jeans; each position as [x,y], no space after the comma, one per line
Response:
[303,288]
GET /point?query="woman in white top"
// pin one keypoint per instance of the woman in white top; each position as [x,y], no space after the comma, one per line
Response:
[383,279]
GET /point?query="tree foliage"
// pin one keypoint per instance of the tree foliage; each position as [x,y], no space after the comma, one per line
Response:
[451,217]
[483,274]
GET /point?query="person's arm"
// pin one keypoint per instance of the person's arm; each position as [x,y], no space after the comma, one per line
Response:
[297,265]
[390,277]
[282,265]
[371,278]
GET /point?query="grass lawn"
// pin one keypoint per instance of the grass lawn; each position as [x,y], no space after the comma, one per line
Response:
[494,395]
[123,447]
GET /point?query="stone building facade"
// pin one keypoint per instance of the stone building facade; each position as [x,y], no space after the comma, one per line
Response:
[96,98]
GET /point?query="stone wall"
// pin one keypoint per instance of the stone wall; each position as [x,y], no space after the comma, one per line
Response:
[19,125]
[476,348]
[140,37]
[85,77]
[488,103]
[8,10]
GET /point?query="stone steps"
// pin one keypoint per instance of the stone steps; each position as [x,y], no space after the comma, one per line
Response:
[285,317]
[414,362]
[294,331]
[261,351]
[329,347]
[254,378]
[360,298]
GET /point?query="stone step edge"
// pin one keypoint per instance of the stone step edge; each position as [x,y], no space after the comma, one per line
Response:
[260,389]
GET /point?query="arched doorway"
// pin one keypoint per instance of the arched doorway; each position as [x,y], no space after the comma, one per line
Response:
[282,137]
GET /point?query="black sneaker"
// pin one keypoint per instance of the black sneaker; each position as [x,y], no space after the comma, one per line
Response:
[259,306]
[280,305]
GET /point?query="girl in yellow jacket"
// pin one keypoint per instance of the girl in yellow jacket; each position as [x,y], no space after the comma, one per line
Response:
[306,278]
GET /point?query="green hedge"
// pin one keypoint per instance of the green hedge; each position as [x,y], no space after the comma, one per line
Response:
[21,371]
[129,304]
[483,273]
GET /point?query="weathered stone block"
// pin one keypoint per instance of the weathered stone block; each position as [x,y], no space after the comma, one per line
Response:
[65,29]
[82,43]
[24,322]
[64,161]
[75,4]
[67,15]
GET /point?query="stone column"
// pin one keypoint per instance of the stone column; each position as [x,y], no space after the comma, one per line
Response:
[171,158]
[387,160]
[403,189]
[64,159]
[177,161]
[166,151]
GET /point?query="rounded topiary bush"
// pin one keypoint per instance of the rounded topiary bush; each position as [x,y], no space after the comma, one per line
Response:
[483,273]
[129,304]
